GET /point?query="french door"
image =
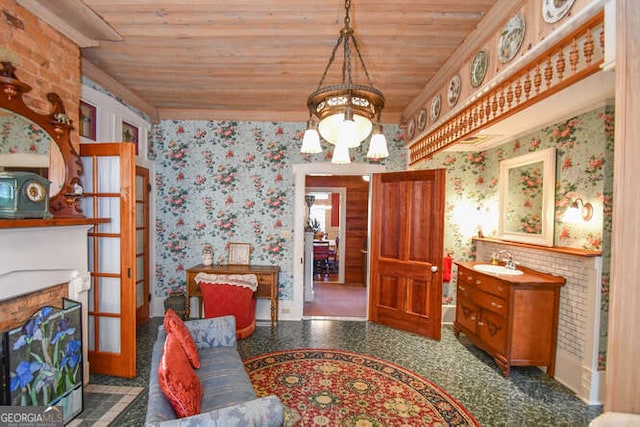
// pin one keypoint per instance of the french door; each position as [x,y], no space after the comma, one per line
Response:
[109,192]
[407,241]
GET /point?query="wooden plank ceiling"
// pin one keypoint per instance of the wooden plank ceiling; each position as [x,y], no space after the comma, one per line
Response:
[260,59]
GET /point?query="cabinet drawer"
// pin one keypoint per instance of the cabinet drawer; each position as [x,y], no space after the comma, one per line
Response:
[265,279]
[485,283]
[491,302]
[482,299]
[265,283]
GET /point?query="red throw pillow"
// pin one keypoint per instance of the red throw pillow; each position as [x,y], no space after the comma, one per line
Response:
[173,324]
[177,380]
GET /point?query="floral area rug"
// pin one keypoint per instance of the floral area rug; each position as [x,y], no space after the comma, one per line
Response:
[338,388]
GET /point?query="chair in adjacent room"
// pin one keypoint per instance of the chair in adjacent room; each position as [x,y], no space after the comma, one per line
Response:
[320,258]
[332,258]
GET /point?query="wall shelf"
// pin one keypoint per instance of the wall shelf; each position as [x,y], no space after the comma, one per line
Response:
[559,249]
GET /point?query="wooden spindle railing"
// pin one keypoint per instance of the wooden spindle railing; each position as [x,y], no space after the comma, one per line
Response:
[541,78]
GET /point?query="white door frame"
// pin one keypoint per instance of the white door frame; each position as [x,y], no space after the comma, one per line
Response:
[293,310]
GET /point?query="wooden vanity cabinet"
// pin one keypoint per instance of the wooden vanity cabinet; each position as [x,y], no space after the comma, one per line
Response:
[513,318]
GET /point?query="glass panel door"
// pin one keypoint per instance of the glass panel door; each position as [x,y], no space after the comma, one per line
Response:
[108,182]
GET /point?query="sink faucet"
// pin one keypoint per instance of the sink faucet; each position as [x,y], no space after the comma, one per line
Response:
[508,261]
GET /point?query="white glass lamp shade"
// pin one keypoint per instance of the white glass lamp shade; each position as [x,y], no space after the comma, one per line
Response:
[330,127]
[378,147]
[348,135]
[571,215]
[341,154]
[311,142]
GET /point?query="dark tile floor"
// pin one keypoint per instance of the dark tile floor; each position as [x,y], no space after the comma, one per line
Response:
[527,398]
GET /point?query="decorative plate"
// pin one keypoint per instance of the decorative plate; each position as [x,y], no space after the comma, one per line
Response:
[411,129]
[478,68]
[422,119]
[436,103]
[554,10]
[453,91]
[511,39]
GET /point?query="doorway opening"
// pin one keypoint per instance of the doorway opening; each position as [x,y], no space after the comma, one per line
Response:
[317,170]
[325,225]
[338,210]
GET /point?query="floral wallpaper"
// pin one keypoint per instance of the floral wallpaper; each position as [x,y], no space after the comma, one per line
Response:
[222,182]
[584,168]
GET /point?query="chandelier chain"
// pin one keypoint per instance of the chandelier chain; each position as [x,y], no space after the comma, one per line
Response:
[331,58]
[343,113]
[346,35]
[347,17]
[364,67]
[346,64]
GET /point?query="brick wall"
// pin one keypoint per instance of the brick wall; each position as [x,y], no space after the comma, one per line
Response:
[44,59]
[13,312]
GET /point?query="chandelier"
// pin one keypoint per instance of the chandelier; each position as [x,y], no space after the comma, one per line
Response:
[343,113]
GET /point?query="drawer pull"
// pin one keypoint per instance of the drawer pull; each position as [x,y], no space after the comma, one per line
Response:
[470,278]
[500,288]
[462,288]
[480,323]
[496,305]
[478,282]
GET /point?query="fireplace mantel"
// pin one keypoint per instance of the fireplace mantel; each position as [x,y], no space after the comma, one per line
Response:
[36,254]
[53,222]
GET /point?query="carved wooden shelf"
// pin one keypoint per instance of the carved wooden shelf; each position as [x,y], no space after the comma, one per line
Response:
[573,58]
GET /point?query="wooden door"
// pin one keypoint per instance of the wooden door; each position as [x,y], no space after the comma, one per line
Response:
[109,179]
[407,249]
[142,245]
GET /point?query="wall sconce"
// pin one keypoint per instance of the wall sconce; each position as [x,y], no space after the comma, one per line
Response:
[578,210]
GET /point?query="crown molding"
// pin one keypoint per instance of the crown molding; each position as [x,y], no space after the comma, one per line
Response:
[74,19]
[92,72]
[487,27]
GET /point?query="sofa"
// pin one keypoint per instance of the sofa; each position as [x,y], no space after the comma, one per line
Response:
[228,397]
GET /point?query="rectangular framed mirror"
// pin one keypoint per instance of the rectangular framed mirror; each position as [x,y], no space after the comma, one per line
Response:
[527,195]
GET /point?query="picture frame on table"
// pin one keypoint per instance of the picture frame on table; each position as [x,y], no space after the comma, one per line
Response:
[239,253]
[87,121]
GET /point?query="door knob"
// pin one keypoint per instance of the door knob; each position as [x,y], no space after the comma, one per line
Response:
[434,268]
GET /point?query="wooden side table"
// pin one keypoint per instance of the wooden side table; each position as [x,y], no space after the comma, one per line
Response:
[268,280]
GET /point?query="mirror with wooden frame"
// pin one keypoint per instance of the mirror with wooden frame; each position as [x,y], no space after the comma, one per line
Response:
[40,143]
[527,192]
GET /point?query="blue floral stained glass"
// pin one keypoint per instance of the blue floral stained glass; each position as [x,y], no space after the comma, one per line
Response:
[44,362]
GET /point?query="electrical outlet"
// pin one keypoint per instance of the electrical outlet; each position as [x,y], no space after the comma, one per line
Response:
[285,234]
